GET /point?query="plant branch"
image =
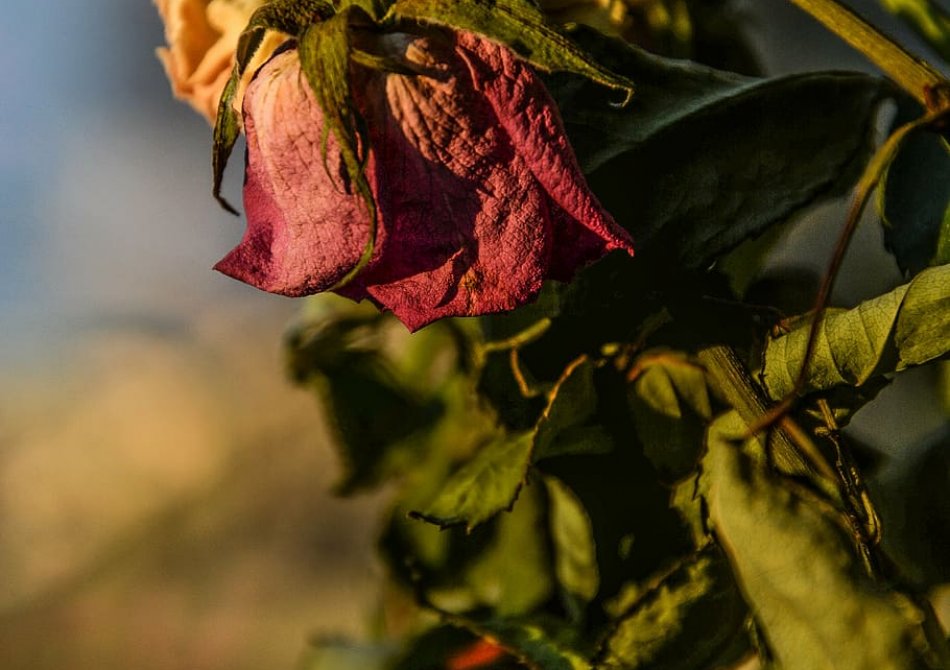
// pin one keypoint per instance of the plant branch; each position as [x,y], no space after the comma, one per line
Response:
[792,451]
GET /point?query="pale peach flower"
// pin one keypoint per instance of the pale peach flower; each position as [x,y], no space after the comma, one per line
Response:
[202,36]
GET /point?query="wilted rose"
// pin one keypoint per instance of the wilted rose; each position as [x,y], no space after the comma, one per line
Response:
[201,37]
[478,194]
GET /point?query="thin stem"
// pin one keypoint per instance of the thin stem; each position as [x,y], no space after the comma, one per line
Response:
[913,74]
[862,193]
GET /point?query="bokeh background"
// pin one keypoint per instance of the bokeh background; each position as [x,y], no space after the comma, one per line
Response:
[164,493]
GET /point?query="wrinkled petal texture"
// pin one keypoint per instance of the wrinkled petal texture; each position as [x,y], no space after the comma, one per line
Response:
[304,232]
[478,193]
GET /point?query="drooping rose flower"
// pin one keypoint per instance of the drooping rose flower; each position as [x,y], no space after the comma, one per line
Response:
[478,194]
[201,37]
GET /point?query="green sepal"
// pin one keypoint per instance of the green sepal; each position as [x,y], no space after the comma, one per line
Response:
[519,25]
[285,16]
[325,50]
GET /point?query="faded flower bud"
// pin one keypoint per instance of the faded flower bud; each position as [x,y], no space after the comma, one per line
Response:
[479,196]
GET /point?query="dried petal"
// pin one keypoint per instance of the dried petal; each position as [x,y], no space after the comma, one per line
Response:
[303,233]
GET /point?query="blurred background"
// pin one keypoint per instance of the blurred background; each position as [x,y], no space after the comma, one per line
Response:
[164,492]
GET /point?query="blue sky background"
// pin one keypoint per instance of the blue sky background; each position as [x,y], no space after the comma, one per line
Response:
[105,210]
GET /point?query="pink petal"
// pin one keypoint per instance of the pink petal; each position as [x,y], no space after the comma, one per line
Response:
[530,117]
[303,233]
[465,225]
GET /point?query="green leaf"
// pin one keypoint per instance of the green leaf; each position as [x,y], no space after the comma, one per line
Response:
[565,425]
[504,565]
[686,619]
[702,160]
[914,201]
[670,402]
[800,573]
[913,499]
[575,554]
[536,642]
[905,327]
[521,26]
[396,401]
[485,485]
[513,575]
[490,481]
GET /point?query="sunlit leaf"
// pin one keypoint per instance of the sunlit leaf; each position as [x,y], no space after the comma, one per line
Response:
[538,643]
[575,554]
[800,573]
[905,327]
[484,486]
[490,481]
[684,620]
[521,26]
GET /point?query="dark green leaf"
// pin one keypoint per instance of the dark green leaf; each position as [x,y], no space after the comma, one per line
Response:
[702,160]
[670,403]
[513,576]
[396,401]
[800,574]
[908,326]
[484,486]
[575,554]
[490,481]
[914,201]
[913,498]
[564,426]
[686,619]
[504,564]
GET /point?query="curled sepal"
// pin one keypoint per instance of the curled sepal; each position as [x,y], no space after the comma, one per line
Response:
[519,25]
[289,17]
[324,50]
[227,127]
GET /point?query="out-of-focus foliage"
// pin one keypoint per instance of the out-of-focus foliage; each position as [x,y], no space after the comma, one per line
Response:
[928,18]
[574,485]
